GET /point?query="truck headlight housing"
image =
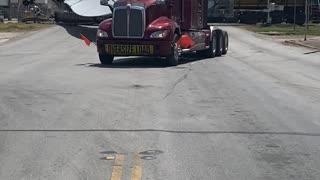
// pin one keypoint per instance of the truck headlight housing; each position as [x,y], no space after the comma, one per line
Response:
[102,34]
[159,34]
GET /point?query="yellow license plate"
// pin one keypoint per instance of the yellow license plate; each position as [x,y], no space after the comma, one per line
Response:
[125,49]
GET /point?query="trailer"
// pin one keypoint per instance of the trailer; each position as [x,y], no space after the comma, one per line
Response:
[159,28]
[255,11]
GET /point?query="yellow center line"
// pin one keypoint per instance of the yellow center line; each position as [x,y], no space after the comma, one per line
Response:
[136,168]
[117,168]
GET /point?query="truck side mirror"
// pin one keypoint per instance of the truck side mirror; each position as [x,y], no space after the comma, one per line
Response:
[104,2]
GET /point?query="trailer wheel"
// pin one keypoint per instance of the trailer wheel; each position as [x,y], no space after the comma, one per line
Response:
[173,58]
[219,37]
[225,42]
[211,52]
[106,59]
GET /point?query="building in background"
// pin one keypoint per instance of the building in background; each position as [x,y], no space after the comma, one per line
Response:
[220,10]
[16,8]
[254,11]
[4,6]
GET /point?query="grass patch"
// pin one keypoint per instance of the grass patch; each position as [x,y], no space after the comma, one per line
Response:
[284,30]
[21,27]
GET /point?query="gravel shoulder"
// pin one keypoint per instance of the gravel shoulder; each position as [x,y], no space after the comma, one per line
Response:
[6,36]
[284,34]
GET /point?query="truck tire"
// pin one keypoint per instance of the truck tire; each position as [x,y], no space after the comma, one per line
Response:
[219,37]
[225,47]
[106,59]
[211,52]
[173,58]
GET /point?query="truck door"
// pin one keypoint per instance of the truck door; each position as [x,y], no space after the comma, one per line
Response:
[176,10]
[200,11]
[197,14]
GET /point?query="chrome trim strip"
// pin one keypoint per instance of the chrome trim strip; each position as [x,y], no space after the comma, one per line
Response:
[185,50]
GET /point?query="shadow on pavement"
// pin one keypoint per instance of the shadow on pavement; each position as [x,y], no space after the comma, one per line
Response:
[126,62]
[145,62]
[168,131]
[89,31]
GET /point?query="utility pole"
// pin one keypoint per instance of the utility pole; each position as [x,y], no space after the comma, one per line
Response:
[319,5]
[306,20]
[9,10]
[294,15]
[309,2]
[268,18]
[19,8]
[310,11]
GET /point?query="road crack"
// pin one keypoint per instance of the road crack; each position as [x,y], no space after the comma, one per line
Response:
[301,86]
[185,76]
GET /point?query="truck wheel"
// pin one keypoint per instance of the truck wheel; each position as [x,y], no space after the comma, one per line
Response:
[106,59]
[219,46]
[173,58]
[211,52]
[225,42]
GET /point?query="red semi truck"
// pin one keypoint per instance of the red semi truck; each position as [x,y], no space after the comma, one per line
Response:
[160,28]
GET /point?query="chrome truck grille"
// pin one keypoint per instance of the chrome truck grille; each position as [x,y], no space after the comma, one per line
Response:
[128,21]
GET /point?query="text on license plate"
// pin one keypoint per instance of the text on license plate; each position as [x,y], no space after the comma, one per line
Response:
[123,49]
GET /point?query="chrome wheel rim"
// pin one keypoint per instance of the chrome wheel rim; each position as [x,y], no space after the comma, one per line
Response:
[227,43]
[176,51]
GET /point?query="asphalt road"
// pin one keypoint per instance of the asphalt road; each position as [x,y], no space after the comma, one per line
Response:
[251,115]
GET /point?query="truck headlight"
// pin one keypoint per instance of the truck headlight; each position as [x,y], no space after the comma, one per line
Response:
[159,34]
[102,34]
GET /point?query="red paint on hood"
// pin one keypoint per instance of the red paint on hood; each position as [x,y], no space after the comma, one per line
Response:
[146,2]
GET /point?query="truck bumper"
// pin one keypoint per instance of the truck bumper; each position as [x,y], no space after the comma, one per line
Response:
[161,48]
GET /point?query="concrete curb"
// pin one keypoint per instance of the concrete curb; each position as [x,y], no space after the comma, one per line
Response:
[8,39]
[300,44]
[3,40]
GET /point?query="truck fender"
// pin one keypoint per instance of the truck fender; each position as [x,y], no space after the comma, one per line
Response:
[212,28]
[164,23]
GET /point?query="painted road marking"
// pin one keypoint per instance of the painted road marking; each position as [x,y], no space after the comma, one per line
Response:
[117,168]
[136,167]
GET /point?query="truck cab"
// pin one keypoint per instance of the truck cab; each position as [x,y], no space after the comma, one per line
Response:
[160,28]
